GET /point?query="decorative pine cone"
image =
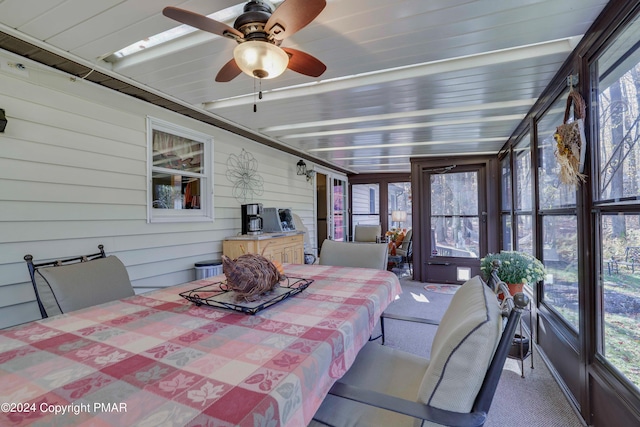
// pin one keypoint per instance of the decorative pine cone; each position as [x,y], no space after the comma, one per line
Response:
[250,275]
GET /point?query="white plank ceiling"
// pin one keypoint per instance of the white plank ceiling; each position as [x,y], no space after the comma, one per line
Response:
[404,78]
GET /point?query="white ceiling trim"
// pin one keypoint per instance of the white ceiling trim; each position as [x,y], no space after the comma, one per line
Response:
[518,117]
[379,165]
[402,115]
[517,53]
[407,144]
[394,156]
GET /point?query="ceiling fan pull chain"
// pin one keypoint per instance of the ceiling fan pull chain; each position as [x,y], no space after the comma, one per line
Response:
[255,106]
[259,91]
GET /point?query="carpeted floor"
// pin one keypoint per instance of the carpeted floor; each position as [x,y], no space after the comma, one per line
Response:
[533,401]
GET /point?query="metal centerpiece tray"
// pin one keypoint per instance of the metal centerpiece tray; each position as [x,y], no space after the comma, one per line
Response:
[218,294]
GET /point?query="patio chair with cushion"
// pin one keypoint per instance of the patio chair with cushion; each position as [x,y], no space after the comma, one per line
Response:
[367,233]
[70,284]
[352,254]
[389,387]
[405,250]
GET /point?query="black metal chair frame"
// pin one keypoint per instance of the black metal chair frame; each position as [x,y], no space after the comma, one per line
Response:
[33,267]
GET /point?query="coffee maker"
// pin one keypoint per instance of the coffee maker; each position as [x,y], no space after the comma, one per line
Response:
[252,218]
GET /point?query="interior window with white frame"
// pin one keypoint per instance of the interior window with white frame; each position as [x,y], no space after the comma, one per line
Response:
[180,173]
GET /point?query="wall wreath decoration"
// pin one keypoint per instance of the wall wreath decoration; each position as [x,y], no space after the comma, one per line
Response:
[242,171]
[571,141]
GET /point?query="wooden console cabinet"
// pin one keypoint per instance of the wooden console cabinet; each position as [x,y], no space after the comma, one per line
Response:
[285,249]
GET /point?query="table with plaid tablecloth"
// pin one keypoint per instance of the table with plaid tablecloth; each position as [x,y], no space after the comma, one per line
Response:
[158,359]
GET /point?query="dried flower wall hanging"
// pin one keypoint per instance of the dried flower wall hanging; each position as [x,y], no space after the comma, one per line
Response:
[571,142]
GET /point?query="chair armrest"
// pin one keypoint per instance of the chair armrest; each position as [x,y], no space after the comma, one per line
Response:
[386,315]
[408,407]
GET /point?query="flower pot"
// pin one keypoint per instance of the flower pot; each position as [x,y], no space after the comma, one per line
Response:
[514,288]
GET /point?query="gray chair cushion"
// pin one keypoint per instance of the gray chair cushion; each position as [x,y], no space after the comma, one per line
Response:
[84,284]
[367,233]
[380,368]
[351,254]
[462,348]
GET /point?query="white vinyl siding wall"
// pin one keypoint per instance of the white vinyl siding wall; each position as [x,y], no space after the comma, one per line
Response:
[361,204]
[73,175]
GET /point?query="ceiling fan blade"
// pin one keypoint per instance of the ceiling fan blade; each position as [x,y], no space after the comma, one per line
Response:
[228,72]
[201,22]
[293,15]
[303,63]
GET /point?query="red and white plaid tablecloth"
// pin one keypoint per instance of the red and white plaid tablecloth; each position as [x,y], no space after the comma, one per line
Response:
[157,359]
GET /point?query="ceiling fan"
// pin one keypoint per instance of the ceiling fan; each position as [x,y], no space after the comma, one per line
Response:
[259,31]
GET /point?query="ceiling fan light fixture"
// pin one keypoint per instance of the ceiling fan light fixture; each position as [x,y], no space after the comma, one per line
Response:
[261,59]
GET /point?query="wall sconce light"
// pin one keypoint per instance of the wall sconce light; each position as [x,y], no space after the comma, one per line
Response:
[302,170]
[3,120]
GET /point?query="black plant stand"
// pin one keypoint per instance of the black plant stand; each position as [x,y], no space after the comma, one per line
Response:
[522,346]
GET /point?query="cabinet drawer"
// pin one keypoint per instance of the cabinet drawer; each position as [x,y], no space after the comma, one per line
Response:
[285,249]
